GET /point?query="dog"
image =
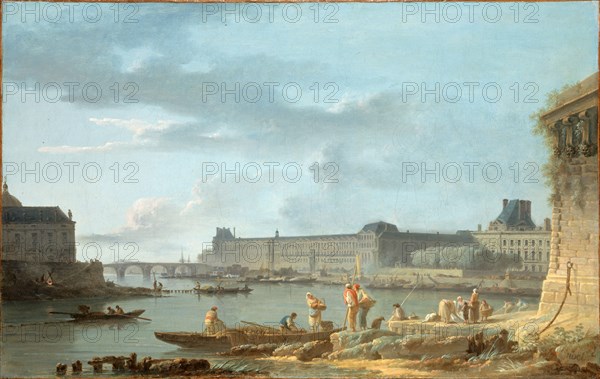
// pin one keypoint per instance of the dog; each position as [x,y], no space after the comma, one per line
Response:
[376,324]
[326,325]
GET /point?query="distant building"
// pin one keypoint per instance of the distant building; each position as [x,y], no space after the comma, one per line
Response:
[514,233]
[38,234]
[378,244]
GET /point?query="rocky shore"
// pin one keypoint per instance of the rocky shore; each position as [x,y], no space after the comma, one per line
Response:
[509,345]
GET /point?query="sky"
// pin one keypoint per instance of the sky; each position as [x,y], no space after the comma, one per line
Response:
[157,123]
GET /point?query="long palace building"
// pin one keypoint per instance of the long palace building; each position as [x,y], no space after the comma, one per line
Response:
[381,244]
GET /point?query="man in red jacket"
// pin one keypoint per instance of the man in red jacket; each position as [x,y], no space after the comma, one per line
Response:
[351,300]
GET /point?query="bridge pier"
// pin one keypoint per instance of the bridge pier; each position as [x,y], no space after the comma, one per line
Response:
[171,270]
[147,272]
[121,272]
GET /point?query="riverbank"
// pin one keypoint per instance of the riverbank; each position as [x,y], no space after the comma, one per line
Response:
[54,280]
[568,347]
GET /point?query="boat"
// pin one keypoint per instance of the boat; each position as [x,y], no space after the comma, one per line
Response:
[221,290]
[96,316]
[301,280]
[242,337]
[235,337]
[194,340]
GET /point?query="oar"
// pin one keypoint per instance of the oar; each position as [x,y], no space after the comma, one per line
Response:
[255,324]
[62,313]
[141,318]
[411,291]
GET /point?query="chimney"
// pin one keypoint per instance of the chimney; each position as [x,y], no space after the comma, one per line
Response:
[504,203]
[234,232]
[529,208]
[479,227]
[522,209]
[547,225]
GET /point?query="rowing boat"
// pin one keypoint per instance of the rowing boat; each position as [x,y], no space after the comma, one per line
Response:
[215,290]
[94,316]
[240,336]
[194,340]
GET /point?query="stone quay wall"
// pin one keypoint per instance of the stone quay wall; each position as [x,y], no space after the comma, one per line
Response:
[575,239]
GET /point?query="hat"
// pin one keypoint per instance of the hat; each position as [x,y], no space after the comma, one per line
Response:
[474,290]
[308,294]
[396,305]
[214,308]
[348,285]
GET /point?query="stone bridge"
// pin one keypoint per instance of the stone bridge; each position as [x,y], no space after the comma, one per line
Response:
[148,267]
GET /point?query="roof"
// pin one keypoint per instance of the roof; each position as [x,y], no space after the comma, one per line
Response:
[510,215]
[574,99]
[380,227]
[9,200]
[31,215]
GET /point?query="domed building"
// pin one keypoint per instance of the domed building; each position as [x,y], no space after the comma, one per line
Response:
[37,234]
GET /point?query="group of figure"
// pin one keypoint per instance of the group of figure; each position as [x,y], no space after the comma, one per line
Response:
[358,303]
[158,286]
[461,310]
[117,311]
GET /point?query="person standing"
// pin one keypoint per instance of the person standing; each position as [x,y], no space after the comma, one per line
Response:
[212,322]
[474,307]
[351,300]
[365,303]
[314,311]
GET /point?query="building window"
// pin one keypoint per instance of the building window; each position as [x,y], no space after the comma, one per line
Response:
[532,268]
[526,255]
[540,269]
[526,242]
[548,256]
[539,255]
[512,242]
[503,242]
[518,242]
[64,238]
[17,239]
[547,243]
[34,240]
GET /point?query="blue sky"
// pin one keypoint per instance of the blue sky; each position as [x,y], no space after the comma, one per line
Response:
[372,129]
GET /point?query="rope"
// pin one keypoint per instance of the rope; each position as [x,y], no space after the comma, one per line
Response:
[567,292]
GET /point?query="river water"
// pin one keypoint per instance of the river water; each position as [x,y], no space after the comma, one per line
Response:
[33,341]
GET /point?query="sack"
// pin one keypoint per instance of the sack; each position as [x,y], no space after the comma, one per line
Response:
[366,303]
